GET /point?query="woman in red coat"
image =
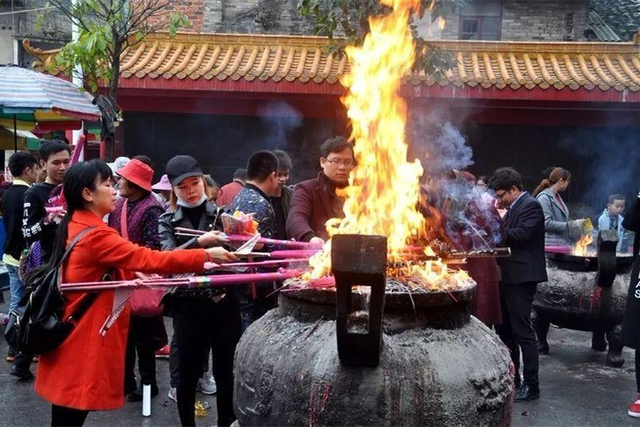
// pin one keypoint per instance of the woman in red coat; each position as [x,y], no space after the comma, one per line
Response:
[86,373]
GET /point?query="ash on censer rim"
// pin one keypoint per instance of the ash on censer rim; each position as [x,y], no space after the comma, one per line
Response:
[406,285]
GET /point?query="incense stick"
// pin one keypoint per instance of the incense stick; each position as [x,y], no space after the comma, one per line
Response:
[239,238]
[189,282]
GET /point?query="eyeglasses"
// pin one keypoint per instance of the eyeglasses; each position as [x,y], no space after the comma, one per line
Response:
[501,195]
[346,163]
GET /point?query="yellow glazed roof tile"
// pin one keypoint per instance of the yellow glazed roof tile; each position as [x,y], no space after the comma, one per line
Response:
[306,59]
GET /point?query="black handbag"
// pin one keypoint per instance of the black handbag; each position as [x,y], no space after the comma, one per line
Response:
[36,325]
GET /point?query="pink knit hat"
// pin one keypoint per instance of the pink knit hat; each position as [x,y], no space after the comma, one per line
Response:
[163,184]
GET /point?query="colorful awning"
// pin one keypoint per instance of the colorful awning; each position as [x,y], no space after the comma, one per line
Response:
[24,91]
[25,139]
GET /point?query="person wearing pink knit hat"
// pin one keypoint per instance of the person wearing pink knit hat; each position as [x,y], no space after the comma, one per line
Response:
[162,189]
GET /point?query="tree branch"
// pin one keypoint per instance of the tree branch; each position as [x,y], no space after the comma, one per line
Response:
[69,14]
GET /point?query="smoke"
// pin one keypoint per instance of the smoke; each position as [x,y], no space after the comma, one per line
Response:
[279,119]
[471,220]
[608,159]
[447,150]
[438,144]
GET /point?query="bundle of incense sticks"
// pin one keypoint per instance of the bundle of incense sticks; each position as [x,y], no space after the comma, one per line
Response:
[559,249]
[185,282]
[321,283]
[238,238]
[298,254]
[261,264]
[484,253]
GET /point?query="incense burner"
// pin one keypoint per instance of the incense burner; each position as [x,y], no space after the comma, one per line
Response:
[586,293]
[362,356]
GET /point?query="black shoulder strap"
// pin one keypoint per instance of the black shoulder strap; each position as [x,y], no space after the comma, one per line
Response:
[87,300]
[82,308]
[72,244]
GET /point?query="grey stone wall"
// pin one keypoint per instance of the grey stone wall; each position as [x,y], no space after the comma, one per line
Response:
[254,16]
[55,30]
[55,26]
[552,20]
[548,20]
[451,29]
[544,20]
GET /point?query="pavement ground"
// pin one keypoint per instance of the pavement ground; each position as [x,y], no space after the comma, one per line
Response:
[577,390]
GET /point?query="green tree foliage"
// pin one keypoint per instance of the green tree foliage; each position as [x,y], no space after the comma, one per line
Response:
[346,22]
[105,29]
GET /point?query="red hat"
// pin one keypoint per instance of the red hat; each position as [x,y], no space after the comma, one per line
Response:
[138,173]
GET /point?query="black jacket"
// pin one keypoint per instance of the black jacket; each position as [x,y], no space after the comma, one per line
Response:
[631,324]
[281,206]
[169,221]
[12,208]
[33,224]
[524,229]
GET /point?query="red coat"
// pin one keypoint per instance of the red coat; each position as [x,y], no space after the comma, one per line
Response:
[313,203]
[87,371]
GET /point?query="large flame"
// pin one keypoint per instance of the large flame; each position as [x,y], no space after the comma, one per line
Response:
[581,247]
[384,187]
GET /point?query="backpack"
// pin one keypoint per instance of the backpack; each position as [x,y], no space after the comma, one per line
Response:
[36,325]
[30,260]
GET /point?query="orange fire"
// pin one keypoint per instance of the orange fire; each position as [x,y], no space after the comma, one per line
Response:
[580,248]
[384,188]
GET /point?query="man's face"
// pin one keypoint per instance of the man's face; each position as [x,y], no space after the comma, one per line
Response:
[338,165]
[507,197]
[282,179]
[31,173]
[56,166]
[272,185]
[42,173]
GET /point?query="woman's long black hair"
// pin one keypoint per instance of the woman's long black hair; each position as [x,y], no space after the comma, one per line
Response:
[79,176]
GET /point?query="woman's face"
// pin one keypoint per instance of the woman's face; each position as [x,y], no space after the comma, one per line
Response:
[126,190]
[190,189]
[563,184]
[102,200]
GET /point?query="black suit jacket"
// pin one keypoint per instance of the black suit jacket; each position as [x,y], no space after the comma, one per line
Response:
[524,230]
[631,324]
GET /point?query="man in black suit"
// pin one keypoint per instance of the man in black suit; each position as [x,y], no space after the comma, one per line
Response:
[521,272]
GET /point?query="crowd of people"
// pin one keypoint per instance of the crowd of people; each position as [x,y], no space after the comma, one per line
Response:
[129,227]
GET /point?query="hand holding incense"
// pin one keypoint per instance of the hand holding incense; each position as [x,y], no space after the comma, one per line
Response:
[240,238]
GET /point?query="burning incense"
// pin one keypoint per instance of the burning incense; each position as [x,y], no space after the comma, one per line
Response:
[488,253]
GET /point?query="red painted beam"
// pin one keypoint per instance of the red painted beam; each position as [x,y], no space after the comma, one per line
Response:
[161,102]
